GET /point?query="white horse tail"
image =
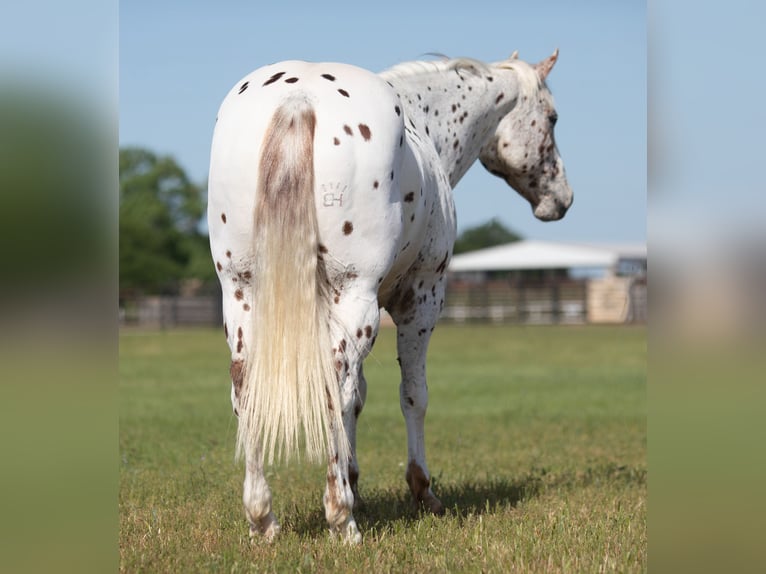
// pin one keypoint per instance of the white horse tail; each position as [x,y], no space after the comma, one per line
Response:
[290,380]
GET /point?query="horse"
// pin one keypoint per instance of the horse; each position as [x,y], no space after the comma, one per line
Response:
[330,198]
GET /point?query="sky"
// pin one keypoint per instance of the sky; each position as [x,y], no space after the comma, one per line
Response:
[179,58]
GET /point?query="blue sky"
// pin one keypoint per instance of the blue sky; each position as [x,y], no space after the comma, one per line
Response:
[179,58]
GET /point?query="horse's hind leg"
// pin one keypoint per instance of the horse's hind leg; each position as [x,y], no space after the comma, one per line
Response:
[415,317]
[350,418]
[356,327]
[256,496]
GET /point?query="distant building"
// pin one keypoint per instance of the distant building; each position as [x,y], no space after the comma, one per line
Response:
[549,282]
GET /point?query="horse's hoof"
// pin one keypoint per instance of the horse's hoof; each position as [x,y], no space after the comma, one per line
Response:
[430,503]
[268,529]
[434,506]
[349,533]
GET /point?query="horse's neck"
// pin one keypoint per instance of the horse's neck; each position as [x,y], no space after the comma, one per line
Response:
[456,112]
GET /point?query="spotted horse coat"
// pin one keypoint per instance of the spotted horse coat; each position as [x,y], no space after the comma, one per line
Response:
[330,197]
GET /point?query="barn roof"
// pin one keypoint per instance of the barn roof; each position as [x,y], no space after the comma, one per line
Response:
[533,254]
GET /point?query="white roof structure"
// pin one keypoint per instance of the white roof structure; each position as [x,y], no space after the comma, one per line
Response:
[532,254]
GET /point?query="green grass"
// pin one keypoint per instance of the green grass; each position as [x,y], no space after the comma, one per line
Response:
[536,440]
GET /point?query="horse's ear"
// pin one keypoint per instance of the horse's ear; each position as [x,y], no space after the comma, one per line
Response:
[544,68]
[515,55]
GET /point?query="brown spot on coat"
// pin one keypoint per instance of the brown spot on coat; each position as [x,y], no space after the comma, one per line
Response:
[329,77]
[335,141]
[218,265]
[223,217]
[348,227]
[365,131]
[407,301]
[358,333]
[348,130]
[443,265]
[331,482]
[237,373]
[291,80]
[343,92]
[273,78]
[330,406]
[375,184]
[368,331]
[409,197]
[238,295]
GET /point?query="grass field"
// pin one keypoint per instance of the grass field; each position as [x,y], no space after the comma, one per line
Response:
[536,439]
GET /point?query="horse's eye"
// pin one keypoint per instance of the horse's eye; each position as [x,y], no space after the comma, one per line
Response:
[553,118]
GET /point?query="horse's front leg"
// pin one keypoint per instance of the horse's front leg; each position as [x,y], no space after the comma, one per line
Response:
[415,322]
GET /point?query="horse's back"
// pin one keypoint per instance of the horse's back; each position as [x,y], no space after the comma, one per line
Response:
[357,155]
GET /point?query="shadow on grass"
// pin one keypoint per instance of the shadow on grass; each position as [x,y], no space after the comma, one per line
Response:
[386,510]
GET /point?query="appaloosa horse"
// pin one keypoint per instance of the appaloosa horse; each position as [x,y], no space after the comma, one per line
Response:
[330,196]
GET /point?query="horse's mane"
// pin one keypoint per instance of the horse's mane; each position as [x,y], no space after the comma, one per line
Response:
[529,80]
[445,64]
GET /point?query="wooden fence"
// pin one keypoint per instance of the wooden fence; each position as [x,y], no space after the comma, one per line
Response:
[552,301]
[510,301]
[548,301]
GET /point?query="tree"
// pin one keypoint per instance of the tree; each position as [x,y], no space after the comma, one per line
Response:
[486,235]
[160,213]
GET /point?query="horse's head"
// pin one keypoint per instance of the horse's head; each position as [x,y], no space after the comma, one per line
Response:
[523,151]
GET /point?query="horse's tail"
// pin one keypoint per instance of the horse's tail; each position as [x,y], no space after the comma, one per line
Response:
[290,380]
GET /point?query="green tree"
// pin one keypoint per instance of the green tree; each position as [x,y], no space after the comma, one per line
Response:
[485,235]
[160,213]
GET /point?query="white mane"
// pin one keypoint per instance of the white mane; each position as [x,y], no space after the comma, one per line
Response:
[529,80]
[417,68]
